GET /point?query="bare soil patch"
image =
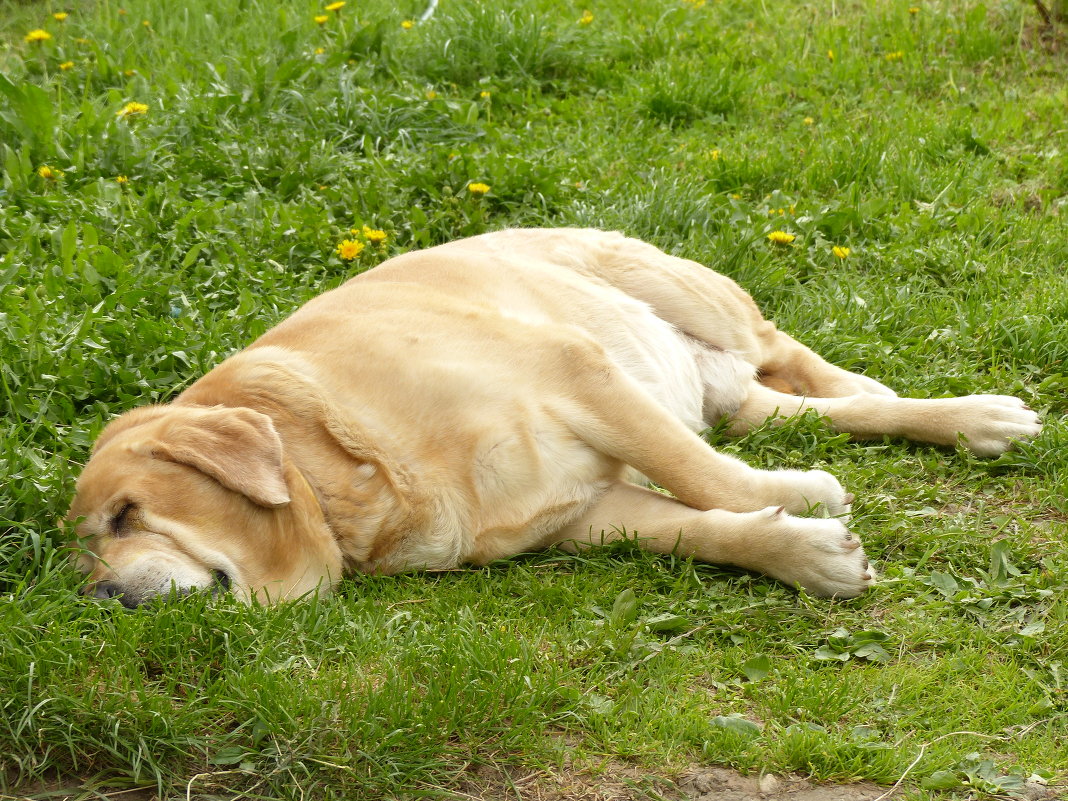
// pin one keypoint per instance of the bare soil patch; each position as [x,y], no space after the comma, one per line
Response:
[614,781]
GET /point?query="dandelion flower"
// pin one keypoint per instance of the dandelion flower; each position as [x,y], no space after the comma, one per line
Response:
[914,10]
[714,155]
[340,4]
[484,95]
[478,189]
[66,65]
[349,249]
[49,173]
[897,55]
[59,16]
[321,18]
[122,12]
[320,50]
[374,235]
[38,35]
[781,238]
[840,251]
[407,24]
[431,94]
[586,18]
[129,73]
[830,55]
[121,180]
[132,109]
[809,121]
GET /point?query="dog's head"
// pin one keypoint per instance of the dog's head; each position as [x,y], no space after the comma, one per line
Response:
[182,498]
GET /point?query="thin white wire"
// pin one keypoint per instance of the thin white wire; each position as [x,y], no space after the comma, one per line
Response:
[432,6]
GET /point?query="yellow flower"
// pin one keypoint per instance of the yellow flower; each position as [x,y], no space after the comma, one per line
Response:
[320,50]
[586,18]
[146,23]
[484,95]
[38,35]
[121,180]
[914,10]
[340,4]
[132,109]
[49,173]
[374,236]
[781,238]
[407,24]
[122,12]
[830,55]
[129,73]
[59,16]
[714,155]
[809,121]
[82,41]
[431,94]
[321,18]
[897,55]
[840,251]
[349,249]
[478,189]
[66,65]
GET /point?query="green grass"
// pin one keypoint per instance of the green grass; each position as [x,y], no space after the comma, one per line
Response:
[698,127]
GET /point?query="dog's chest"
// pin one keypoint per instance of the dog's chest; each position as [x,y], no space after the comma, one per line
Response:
[530,482]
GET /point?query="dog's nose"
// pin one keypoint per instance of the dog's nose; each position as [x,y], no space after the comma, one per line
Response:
[105,589]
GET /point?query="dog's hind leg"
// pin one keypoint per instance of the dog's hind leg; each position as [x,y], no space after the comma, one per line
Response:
[818,554]
[788,366]
[715,310]
[988,423]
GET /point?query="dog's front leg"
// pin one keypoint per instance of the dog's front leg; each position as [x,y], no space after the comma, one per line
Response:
[614,414]
[820,555]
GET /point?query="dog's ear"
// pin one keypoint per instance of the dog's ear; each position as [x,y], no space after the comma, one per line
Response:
[239,448]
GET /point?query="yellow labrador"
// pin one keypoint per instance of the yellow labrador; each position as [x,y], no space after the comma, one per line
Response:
[484,398]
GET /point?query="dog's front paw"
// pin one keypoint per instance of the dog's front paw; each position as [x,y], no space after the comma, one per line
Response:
[810,491]
[991,423]
[822,556]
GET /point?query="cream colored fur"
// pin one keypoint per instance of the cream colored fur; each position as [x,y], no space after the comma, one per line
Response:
[488,397]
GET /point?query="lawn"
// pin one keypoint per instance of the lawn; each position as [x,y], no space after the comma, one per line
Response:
[176,178]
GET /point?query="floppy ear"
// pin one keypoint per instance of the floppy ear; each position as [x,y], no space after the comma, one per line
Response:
[239,448]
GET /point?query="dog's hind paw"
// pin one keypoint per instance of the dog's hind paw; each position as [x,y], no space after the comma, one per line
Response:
[990,424]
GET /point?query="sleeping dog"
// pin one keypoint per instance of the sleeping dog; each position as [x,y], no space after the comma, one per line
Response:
[489,397]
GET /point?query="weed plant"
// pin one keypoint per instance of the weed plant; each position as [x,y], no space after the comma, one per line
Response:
[139,246]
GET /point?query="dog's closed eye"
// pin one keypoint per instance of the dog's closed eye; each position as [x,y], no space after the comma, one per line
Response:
[122,519]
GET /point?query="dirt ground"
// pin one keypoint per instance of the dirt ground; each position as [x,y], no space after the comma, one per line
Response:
[610,781]
[618,782]
[622,783]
